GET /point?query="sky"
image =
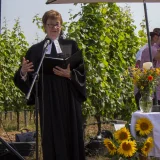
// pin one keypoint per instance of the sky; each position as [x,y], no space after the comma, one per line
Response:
[25,10]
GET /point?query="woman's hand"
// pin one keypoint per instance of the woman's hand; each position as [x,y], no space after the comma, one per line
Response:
[26,67]
[62,72]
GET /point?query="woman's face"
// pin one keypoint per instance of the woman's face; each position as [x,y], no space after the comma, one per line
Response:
[53,28]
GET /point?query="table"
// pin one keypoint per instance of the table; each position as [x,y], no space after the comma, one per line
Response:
[154,117]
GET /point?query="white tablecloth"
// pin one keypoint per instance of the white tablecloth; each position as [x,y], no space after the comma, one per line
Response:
[154,117]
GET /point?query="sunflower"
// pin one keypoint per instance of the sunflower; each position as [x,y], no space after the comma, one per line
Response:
[127,148]
[110,146]
[122,135]
[143,126]
[148,145]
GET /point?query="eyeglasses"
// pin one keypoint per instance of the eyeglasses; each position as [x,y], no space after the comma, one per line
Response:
[53,25]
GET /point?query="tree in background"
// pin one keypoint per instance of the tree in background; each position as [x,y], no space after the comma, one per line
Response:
[13,46]
[142,35]
[106,34]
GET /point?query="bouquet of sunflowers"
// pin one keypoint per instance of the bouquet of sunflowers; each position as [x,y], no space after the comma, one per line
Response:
[125,146]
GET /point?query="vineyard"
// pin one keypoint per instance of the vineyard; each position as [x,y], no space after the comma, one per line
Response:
[109,46]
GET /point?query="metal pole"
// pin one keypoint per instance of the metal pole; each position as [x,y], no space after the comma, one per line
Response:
[149,44]
[147,27]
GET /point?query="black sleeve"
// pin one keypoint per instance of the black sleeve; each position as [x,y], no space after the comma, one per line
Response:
[24,85]
[78,78]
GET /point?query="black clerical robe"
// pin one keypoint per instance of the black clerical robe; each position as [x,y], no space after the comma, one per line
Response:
[59,104]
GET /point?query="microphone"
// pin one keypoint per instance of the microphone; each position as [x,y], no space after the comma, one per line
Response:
[47,42]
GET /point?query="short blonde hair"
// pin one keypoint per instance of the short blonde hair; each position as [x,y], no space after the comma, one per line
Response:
[52,14]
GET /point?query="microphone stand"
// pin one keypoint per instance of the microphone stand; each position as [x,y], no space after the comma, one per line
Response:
[35,81]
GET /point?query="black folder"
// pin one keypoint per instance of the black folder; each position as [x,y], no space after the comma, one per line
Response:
[74,60]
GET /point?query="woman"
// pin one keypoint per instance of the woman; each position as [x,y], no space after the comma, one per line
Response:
[60,94]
